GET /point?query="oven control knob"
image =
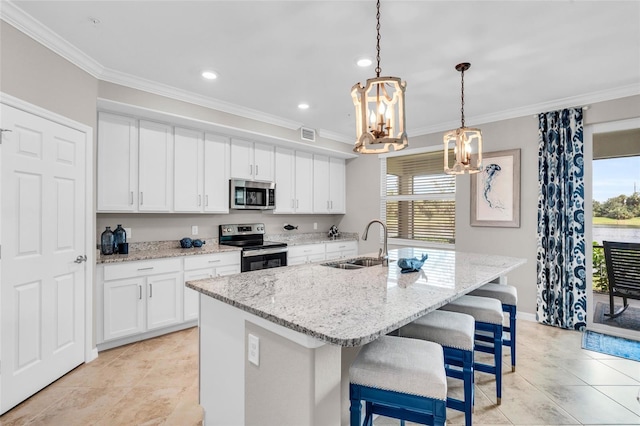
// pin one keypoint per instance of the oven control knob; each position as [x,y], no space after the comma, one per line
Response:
[260,228]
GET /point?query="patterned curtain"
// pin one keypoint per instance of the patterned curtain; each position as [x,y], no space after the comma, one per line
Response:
[562,296]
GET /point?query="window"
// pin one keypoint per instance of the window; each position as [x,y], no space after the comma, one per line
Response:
[417,198]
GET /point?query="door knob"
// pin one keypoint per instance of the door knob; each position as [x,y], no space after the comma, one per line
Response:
[81,259]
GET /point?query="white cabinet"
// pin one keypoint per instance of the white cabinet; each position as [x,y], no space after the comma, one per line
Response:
[139,296]
[206,266]
[155,173]
[341,249]
[135,165]
[117,175]
[252,160]
[309,253]
[201,172]
[294,181]
[328,184]
[216,174]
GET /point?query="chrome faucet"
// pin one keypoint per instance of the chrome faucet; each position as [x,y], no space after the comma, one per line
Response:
[383,254]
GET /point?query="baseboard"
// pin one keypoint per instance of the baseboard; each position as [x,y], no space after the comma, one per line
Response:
[93,354]
[527,316]
[143,336]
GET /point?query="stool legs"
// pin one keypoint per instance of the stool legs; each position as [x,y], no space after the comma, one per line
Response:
[511,329]
[463,359]
[495,349]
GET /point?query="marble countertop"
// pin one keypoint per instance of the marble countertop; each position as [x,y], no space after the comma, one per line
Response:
[161,249]
[354,307]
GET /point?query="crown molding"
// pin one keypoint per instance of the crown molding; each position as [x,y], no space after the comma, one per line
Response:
[338,137]
[16,17]
[573,101]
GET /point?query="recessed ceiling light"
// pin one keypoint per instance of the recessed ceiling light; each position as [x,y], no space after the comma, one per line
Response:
[364,62]
[209,75]
[303,106]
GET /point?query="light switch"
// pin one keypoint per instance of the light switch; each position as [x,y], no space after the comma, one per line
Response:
[194,230]
[254,350]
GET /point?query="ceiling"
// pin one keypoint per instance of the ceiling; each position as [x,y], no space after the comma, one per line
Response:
[526,56]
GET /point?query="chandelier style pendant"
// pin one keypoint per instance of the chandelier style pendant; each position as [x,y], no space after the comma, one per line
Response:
[379,107]
[466,142]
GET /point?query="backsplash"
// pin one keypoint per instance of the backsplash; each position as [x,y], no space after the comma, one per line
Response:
[168,227]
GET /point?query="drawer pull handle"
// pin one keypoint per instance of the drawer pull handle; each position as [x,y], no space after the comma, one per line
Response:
[214,261]
[145,269]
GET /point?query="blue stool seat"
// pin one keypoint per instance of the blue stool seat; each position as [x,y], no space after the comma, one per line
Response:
[455,332]
[508,296]
[487,313]
[400,378]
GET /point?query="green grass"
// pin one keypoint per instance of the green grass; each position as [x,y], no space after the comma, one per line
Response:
[635,222]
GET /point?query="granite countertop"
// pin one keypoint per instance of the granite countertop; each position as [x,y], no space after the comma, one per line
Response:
[161,249]
[354,307]
[294,239]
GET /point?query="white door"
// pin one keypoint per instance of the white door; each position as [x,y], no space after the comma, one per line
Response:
[155,159]
[284,178]
[216,174]
[187,188]
[42,288]
[123,308]
[304,182]
[164,300]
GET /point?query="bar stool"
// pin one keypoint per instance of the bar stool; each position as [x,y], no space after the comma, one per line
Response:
[508,296]
[488,315]
[454,331]
[400,378]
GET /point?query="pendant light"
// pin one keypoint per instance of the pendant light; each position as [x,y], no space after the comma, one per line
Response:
[379,108]
[466,142]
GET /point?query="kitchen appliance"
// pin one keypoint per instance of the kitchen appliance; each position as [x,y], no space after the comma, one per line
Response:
[250,195]
[256,253]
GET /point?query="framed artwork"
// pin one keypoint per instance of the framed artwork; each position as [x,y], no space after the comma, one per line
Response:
[495,191]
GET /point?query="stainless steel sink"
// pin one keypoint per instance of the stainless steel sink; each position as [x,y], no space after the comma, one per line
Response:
[357,263]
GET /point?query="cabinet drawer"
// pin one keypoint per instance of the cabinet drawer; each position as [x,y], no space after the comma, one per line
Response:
[141,268]
[342,246]
[305,250]
[211,260]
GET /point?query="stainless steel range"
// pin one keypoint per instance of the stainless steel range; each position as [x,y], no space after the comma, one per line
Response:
[256,253]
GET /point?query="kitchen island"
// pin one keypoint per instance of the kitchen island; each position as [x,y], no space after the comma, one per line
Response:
[303,324]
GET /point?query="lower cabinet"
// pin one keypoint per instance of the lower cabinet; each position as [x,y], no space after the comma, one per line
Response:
[202,267]
[341,249]
[140,299]
[297,255]
[310,253]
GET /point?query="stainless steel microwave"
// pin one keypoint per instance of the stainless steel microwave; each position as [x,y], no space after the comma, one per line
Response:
[250,195]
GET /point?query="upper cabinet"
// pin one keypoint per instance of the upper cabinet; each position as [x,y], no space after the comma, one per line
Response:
[135,165]
[294,181]
[201,172]
[148,166]
[117,163]
[329,185]
[252,160]
[155,174]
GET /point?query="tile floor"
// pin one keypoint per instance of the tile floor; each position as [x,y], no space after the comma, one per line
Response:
[155,383]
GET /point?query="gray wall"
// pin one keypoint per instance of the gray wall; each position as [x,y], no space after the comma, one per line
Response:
[363,175]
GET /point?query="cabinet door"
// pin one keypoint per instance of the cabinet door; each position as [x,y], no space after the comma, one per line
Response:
[188,173]
[241,159]
[337,185]
[263,162]
[123,303]
[155,167]
[284,178]
[164,300]
[303,182]
[191,305]
[216,174]
[117,173]
[320,184]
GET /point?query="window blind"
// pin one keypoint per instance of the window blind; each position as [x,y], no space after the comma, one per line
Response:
[418,199]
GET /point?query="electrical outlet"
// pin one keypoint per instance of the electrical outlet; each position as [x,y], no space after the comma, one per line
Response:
[194,230]
[254,350]
[315,225]
[128,231]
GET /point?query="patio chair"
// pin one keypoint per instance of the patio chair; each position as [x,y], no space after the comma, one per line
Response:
[623,270]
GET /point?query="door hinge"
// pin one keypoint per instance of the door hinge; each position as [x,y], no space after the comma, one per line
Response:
[1,132]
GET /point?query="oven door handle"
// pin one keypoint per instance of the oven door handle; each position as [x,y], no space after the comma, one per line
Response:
[262,252]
